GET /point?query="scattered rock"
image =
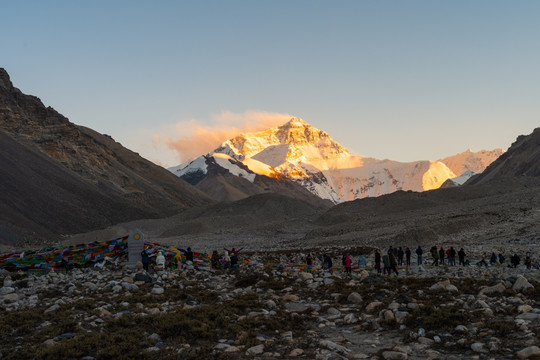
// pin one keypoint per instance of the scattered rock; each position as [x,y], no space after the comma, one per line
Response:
[529,352]
[522,284]
[355,298]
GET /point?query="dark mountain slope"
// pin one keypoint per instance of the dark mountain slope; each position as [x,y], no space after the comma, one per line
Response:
[58,178]
[521,159]
[221,185]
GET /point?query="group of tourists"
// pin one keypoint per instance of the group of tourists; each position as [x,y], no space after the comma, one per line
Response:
[387,261]
[229,260]
[160,263]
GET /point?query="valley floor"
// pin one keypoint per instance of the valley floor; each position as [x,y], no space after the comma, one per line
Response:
[267,310]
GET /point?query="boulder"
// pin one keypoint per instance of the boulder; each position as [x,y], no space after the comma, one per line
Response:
[373,305]
[522,284]
[529,352]
[305,276]
[355,298]
[490,290]
[255,350]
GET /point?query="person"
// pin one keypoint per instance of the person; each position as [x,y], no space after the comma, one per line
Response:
[309,260]
[348,264]
[408,256]
[482,261]
[441,255]
[361,262]
[400,254]
[327,262]
[178,259]
[233,251]
[393,263]
[234,260]
[226,261]
[145,259]
[189,255]
[386,262]
[528,261]
[391,249]
[501,258]
[493,259]
[461,256]
[378,261]
[160,261]
[514,260]
[214,261]
[419,253]
[452,256]
[66,263]
[435,255]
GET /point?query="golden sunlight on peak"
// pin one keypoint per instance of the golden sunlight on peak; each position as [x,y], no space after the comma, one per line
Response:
[436,175]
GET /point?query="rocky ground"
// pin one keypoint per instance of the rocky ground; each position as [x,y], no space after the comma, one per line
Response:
[263,311]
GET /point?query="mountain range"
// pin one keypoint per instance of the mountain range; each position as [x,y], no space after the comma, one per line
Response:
[60,182]
[312,159]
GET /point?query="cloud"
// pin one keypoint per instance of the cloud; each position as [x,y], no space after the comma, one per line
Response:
[190,139]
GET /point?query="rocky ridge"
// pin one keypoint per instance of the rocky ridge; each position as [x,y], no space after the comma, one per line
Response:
[57,177]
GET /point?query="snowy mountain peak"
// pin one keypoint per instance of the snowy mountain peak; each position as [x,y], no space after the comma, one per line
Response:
[293,143]
[310,157]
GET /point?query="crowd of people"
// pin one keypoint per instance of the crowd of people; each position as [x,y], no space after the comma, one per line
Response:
[185,258]
[386,261]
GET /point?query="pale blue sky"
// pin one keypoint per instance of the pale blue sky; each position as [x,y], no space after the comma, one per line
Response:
[404,80]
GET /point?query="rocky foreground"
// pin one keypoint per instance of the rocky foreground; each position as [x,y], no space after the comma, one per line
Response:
[264,312]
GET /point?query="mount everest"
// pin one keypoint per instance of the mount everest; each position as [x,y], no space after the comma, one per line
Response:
[298,152]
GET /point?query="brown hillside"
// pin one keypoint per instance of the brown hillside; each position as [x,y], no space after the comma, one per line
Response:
[59,178]
[521,159]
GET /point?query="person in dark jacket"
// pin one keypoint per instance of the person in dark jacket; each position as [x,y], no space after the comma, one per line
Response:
[327,262]
[386,262]
[515,260]
[461,256]
[378,261]
[145,259]
[393,263]
[441,255]
[309,260]
[400,254]
[234,261]
[408,257]
[189,255]
[214,261]
[435,255]
[419,253]
[452,256]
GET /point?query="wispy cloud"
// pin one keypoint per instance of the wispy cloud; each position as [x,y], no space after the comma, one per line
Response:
[192,138]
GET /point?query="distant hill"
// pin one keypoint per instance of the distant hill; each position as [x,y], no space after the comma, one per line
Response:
[59,178]
[521,159]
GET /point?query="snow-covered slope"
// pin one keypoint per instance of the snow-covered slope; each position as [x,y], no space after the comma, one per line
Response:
[471,161]
[314,160]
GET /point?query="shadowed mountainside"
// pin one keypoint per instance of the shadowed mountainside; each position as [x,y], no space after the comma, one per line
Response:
[521,159]
[221,185]
[59,178]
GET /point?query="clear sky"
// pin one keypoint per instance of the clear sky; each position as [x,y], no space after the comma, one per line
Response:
[403,80]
